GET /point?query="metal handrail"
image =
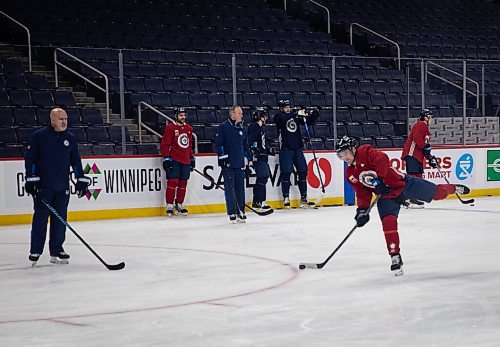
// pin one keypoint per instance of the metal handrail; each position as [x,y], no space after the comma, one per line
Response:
[379,35]
[142,125]
[106,80]
[27,31]
[427,72]
[327,12]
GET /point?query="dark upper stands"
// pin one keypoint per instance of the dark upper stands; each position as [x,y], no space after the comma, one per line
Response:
[179,57]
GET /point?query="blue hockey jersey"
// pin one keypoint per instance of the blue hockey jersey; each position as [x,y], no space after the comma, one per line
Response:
[231,139]
[50,155]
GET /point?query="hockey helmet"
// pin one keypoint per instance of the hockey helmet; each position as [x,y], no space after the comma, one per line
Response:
[345,142]
[426,113]
[258,113]
[284,103]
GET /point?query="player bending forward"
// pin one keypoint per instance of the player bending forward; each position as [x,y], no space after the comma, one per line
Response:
[369,171]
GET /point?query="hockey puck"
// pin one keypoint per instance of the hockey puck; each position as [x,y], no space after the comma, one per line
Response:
[472,204]
[302,266]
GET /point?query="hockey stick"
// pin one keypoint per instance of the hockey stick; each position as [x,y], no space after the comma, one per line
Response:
[264,213]
[118,266]
[303,266]
[317,164]
[465,202]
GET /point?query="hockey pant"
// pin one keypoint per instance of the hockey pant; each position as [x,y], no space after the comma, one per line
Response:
[414,167]
[59,201]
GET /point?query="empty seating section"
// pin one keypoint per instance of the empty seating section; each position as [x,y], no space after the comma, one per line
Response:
[25,103]
[179,53]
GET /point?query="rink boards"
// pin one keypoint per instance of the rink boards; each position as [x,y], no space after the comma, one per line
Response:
[124,187]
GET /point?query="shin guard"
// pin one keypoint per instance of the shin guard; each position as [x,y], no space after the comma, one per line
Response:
[181,191]
[443,190]
[390,226]
[171,188]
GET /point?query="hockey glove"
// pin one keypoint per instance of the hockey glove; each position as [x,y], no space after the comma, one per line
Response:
[380,187]
[223,161]
[249,171]
[192,163]
[274,150]
[167,164]
[433,162]
[362,217]
[32,186]
[82,184]
[427,151]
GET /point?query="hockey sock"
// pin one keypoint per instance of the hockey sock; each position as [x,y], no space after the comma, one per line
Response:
[443,190]
[390,226]
[171,188]
[302,183]
[285,184]
[259,190]
[181,191]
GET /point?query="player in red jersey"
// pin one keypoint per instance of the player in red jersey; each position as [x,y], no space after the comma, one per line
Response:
[417,148]
[178,160]
[369,171]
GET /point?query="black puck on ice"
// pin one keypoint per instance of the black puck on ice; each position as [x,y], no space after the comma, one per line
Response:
[302,266]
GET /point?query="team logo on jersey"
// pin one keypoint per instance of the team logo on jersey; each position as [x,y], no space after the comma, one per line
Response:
[291,126]
[66,143]
[366,178]
[183,141]
[465,164]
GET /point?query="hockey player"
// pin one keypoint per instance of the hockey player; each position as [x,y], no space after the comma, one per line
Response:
[51,152]
[178,161]
[260,151]
[291,153]
[369,171]
[231,145]
[416,148]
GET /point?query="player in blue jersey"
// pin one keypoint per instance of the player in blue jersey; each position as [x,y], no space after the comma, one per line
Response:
[231,145]
[51,152]
[260,150]
[291,154]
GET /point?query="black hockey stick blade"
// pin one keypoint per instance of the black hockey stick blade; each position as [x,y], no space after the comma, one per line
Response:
[260,213]
[62,220]
[118,266]
[303,266]
[465,202]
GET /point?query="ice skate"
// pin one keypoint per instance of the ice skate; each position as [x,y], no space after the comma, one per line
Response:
[181,209]
[232,218]
[460,189]
[241,218]
[170,210]
[306,204]
[286,202]
[34,258]
[413,203]
[397,264]
[61,258]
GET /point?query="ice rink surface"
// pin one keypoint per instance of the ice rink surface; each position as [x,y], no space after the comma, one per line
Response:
[200,281]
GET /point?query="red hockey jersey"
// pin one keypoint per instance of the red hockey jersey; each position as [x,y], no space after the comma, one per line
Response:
[177,142]
[371,163]
[418,138]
